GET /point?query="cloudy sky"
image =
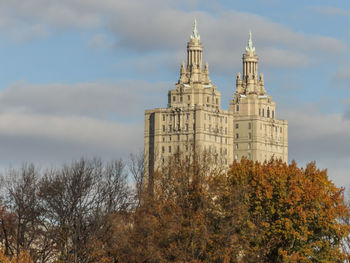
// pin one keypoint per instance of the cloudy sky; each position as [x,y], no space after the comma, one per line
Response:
[77,75]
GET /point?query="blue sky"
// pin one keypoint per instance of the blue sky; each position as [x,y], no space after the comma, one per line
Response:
[77,75]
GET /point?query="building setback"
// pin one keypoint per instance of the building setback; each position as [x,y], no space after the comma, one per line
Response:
[194,120]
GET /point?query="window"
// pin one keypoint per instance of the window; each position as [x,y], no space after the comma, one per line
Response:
[194,126]
[249,146]
[186,148]
[249,135]
[169,138]
[163,139]
[237,135]
[268,112]
[178,137]
[205,116]
[225,119]
[170,117]
[249,156]
[170,149]
[237,125]
[236,146]
[187,116]
[188,97]
[281,129]
[163,117]
[249,125]
[186,137]
[236,157]
[180,98]
[174,98]
[217,101]
[178,148]
[225,130]
[263,112]
[163,149]
[163,128]
[207,99]
[170,128]
[186,127]
[259,112]
[273,114]
[209,127]
[237,107]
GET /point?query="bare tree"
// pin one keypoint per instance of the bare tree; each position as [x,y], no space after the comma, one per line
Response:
[136,167]
[27,229]
[346,241]
[77,200]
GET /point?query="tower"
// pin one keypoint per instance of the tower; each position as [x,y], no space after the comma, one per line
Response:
[257,132]
[194,120]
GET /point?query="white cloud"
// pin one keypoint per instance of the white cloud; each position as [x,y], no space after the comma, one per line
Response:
[103,100]
[59,122]
[342,75]
[138,25]
[324,138]
[47,139]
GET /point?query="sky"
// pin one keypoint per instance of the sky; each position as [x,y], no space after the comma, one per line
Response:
[77,75]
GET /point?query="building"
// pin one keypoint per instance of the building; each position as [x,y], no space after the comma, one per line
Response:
[195,121]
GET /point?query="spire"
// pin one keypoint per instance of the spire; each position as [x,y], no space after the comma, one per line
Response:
[195,31]
[250,47]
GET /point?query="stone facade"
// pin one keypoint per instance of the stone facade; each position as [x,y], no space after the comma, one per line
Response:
[194,120]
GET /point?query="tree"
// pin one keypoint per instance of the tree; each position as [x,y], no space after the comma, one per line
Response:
[171,222]
[288,213]
[22,257]
[77,201]
[22,216]
[271,212]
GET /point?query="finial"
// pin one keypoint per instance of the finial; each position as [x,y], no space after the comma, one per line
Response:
[250,47]
[261,77]
[195,31]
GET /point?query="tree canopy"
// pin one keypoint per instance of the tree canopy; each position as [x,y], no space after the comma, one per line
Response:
[196,211]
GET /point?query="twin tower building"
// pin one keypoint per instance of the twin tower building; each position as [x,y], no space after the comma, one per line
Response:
[194,121]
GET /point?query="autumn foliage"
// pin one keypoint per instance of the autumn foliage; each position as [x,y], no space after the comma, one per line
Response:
[195,211]
[287,214]
[23,257]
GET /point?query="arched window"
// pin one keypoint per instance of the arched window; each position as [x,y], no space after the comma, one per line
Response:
[268,112]
[263,110]
[237,107]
